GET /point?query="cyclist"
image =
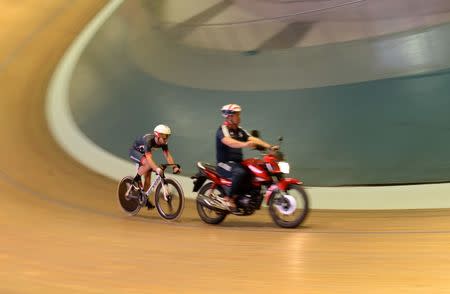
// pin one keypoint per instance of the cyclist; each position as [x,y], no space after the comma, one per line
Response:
[141,153]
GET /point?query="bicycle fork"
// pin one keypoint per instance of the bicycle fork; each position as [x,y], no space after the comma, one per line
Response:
[164,189]
[155,184]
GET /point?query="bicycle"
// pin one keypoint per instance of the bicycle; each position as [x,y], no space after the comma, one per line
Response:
[168,194]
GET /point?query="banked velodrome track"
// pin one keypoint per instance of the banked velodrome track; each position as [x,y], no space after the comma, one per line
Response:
[62,231]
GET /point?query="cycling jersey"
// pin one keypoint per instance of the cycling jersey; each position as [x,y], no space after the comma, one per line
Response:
[147,143]
[143,145]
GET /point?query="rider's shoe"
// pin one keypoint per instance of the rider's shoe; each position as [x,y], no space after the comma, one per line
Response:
[149,205]
[229,204]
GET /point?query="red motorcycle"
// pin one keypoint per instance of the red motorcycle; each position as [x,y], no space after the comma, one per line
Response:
[285,197]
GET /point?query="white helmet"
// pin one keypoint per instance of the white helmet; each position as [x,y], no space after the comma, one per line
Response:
[230,109]
[161,129]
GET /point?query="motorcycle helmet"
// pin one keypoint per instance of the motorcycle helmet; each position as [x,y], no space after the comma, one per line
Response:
[230,109]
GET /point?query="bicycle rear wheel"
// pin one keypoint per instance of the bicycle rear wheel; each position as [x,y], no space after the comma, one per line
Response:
[128,202]
[169,206]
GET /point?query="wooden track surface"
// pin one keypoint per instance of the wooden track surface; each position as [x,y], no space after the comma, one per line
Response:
[63,232]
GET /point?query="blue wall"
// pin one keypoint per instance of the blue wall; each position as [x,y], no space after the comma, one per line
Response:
[394,130]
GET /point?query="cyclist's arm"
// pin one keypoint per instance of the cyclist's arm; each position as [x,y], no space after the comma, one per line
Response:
[168,157]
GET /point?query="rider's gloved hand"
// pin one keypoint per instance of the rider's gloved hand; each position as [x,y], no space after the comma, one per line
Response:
[176,170]
[158,171]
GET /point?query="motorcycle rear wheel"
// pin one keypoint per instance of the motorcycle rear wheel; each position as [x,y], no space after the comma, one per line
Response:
[208,215]
[289,208]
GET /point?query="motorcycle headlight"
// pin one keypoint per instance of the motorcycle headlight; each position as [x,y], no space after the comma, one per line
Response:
[284,167]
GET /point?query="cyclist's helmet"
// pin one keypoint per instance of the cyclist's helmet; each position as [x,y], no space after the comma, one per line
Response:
[162,129]
[230,109]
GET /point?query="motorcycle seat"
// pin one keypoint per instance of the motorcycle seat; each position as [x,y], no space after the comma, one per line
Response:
[204,165]
[212,169]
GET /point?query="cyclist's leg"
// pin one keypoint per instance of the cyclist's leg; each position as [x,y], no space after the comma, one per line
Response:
[137,157]
[143,170]
[147,179]
[144,166]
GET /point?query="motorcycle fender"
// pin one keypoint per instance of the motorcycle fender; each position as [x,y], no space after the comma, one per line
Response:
[199,179]
[283,183]
[282,186]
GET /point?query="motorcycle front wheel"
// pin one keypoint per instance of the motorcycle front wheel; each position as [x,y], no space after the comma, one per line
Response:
[289,208]
[208,215]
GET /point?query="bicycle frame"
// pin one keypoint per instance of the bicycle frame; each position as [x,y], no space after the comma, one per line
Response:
[154,184]
[159,179]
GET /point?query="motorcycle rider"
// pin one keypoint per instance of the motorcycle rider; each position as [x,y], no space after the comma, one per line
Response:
[230,139]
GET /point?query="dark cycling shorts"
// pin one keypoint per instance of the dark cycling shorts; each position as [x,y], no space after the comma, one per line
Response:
[136,156]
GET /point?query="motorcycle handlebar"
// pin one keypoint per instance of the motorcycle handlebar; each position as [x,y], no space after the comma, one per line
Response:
[276,152]
[271,149]
[260,148]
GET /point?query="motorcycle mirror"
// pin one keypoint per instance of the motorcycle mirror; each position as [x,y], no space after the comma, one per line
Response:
[254,133]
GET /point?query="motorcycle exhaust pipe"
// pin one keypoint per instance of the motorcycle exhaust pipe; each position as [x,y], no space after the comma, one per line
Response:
[210,204]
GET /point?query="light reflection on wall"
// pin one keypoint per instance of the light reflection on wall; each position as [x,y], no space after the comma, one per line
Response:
[400,54]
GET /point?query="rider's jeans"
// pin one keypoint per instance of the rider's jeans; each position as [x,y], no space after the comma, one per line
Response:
[238,175]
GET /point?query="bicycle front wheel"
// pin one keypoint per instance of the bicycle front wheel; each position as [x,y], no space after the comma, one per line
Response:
[169,199]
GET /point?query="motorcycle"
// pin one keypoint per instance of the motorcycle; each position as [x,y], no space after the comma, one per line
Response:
[285,197]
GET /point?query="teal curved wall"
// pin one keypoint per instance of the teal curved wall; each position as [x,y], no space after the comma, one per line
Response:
[393,130]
